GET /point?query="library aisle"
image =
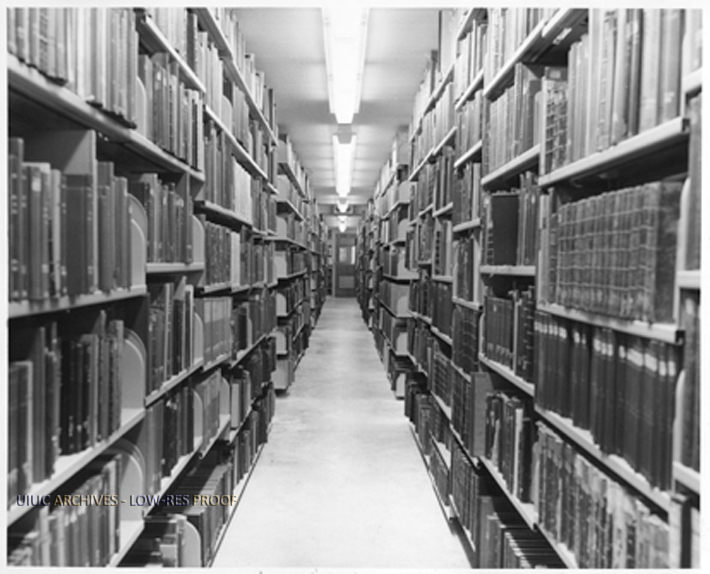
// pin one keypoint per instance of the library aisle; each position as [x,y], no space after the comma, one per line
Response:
[341,482]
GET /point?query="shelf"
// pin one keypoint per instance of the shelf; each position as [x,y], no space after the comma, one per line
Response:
[471,15]
[688,477]
[512,270]
[217,288]
[460,371]
[526,510]
[293,242]
[562,20]
[130,532]
[397,242]
[293,275]
[391,312]
[240,154]
[562,551]
[475,85]
[692,84]
[225,422]
[395,207]
[467,226]
[656,140]
[500,176]
[292,311]
[442,278]
[615,464]
[173,268]
[67,466]
[285,169]
[471,153]
[689,279]
[180,466]
[238,492]
[31,308]
[659,331]
[442,336]
[467,304]
[415,173]
[217,362]
[444,507]
[445,409]
[31,84]
[221,214]
[289,207]
[508,374]
[170,384]
[426,210]
[449,208]
[531,46]
[154,38]
[436,94]
[208,23]
[442,144]
[412,277]
[241,355]
[416,315]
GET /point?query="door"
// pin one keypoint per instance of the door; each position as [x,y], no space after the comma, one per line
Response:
[345,257]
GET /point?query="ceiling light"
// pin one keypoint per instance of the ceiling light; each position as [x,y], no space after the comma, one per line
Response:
[342,226]
[344,153]
[345,33]
[343,205]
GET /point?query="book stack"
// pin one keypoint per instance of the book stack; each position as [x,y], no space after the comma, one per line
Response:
[615,253]
[469,415]
[216,313]
[465,336]
[467,194]
[442,308]
[168,210]
[470,124]
[173,419]
[596,518]
[622,388]
[471,55]
[515,118]
[510,435]
[69,535]
[443,248]
[223,252]
[690,390]
[508,337]
[46,260]
[441,375]
[170,331]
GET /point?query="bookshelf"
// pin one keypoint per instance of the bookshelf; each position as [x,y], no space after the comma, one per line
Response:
[180,341]
[516,177]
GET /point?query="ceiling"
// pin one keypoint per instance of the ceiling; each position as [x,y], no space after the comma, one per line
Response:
[288,43]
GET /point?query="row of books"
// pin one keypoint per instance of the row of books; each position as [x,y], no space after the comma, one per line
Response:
[64,386]
[289,296]
[289,260]
[597,519]
[465,336]
[91,51]
[435,125]
[288,226]
[441,306]
[422,244]
[394,262]
[288,192]
[471,55]
[170,331]
[168,209]
[514,119]
[210,392]
[45,259]
[466,194]
[430,80]
[420,340]
[622,388]
[253,319]
[440,378]
[442,263]
[395,296]
[172,111]
[216,315]
[689,395]
[510,435]
[615,253]
[227,183]
[466,258]
[469,416]
[509,334]
[420,295]
[693,209]
[69,535]
[507,28]
[624,76]
[511,224]
[395,330]
[470,124]
[224,255]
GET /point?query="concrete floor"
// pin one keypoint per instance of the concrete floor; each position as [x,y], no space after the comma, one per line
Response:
[341,483]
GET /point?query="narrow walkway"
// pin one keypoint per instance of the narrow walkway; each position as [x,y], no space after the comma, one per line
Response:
[341,483]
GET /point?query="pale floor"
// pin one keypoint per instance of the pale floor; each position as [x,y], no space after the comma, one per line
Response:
[341,483]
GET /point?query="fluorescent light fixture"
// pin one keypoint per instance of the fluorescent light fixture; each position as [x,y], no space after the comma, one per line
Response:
[342,225]
[344,155]
[343,205]
[345,33]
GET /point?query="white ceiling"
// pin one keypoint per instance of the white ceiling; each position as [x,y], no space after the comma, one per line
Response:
[288,43]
